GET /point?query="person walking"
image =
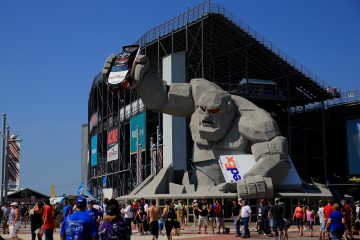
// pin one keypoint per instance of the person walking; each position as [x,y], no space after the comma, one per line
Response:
[235,216]
[264,212]
[277,213]
[128,212]
[299,217]
[245,217]
[327,211]
[152,218]
[24,214]
[211,216]
[203,217]
[79,225]
[114,226]
[6,211]
[14,220]
[195,207]
[310,219]
[93,212]
[67,210]
[184,214]
[169,215]
[322,221]
[336,223]
[220,224]
[48,221]
[347,213]
[36,220]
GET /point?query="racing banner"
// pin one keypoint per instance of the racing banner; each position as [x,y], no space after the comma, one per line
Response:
[112,145]
[137,133]
[94,140]
[13,164]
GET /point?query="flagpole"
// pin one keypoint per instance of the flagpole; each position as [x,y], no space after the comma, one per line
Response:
[3,158]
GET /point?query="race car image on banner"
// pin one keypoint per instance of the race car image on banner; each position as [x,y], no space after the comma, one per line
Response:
[122,67]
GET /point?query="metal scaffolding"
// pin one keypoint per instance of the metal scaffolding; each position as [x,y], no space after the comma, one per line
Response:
[223,49]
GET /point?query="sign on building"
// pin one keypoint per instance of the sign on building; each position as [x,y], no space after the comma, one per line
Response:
[112,145]
[94,140]
[137,133]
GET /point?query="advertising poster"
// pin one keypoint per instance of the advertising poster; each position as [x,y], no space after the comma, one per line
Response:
[94,140]
[353,146]
[234,167]
[112,145]
[137,131]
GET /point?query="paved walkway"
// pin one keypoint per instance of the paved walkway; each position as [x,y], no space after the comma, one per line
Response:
[191,233]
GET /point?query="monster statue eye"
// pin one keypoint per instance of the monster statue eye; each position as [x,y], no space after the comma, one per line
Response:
[203,108]
[214,110]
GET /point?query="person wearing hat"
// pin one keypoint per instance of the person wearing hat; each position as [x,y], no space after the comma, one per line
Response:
[114,226]
[93,212]
[79,225]
[14,220]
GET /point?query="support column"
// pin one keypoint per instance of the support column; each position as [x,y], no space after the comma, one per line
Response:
[174,128]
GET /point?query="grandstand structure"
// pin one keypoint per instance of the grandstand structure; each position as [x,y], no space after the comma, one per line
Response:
[223,49]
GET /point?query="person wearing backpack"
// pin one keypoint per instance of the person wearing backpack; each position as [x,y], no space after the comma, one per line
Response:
[169,216]
[219,217]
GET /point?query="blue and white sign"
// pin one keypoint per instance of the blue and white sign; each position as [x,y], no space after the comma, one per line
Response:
[94,140]
[137,130]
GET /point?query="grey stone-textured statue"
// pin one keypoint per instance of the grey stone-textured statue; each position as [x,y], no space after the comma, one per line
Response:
[221,124]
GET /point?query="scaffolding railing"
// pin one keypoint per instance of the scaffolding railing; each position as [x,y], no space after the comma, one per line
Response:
[348,97]
[207,7]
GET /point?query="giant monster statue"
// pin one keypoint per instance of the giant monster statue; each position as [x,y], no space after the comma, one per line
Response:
[221,124]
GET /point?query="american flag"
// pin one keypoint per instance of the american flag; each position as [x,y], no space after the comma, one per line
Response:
[14,161]
[153,160]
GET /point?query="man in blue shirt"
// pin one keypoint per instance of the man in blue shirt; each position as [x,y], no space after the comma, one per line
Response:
[93,212]
[79,225]
[67,209]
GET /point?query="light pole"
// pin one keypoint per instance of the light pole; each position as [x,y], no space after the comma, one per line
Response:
[3,158]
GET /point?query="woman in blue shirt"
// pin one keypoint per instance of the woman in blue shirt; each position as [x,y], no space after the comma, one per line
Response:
[336,223]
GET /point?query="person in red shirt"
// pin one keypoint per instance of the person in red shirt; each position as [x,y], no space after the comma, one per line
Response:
[346,211]
[48,221]
[327,210]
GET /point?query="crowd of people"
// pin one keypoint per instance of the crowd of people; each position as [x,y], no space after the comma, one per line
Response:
[86,219]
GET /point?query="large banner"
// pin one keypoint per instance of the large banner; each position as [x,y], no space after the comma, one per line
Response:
[137,131]
[112,145]
[13,164]
[234,168]
[94,140]
[353,145]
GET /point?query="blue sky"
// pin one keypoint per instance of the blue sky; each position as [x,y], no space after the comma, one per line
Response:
[51,50]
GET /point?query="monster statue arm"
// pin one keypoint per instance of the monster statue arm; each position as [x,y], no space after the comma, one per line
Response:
[175,99]
[269,150]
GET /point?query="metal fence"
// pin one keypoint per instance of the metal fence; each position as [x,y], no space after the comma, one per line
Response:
[348,97]
[208,7]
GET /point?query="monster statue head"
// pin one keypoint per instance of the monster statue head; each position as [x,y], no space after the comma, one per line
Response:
[213,116]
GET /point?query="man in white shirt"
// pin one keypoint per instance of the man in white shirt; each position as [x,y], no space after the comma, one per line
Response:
[128,214]
[322,220]
[245,217]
